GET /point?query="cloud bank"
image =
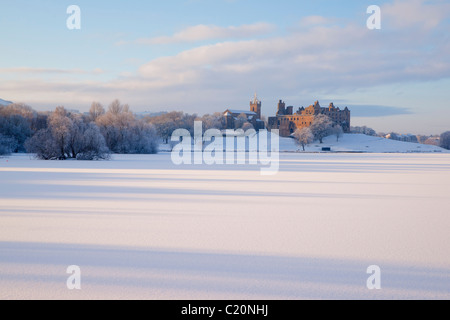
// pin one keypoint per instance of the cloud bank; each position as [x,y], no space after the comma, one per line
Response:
[323,59]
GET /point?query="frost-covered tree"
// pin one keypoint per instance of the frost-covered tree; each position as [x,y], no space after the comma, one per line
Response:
[68,136]
[187,122]
[44,145]
[7,145]
[240,121]
[124,133]
[304,137]
[445,140]
[164,126]
[60,126]
[144,139]
[75,137]
[93,145]
[114,125]
[338,132]
[321,127]
[212,121]
[16,123]
[247,126]
[364,130]
[167,123]
[86,141]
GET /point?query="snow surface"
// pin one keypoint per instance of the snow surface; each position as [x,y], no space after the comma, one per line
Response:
[361,143]
[142,228]
[352,143]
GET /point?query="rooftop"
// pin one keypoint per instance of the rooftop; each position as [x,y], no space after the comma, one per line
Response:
[241,111]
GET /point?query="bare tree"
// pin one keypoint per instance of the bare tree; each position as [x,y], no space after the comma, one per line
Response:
[96,111]
[321,127]
[115,107]
[304,137]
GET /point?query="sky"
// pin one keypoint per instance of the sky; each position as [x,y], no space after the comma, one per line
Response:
[204,56]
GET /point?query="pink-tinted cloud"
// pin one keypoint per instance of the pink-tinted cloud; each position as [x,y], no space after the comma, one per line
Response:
[210,32]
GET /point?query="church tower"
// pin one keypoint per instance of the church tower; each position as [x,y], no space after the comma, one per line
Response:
[255,106]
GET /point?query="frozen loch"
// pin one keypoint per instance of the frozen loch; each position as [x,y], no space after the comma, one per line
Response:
[140,227]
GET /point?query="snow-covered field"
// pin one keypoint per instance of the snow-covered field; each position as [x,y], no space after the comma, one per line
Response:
[140,227]
[352,143]
[361,143]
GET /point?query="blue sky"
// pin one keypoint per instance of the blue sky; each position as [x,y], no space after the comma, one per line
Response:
[203,56]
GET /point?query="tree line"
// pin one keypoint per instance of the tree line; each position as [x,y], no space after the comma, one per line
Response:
[62,134]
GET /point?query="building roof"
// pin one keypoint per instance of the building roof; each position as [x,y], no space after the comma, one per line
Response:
[249,113]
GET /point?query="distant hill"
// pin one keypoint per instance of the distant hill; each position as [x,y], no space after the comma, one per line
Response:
[4,102]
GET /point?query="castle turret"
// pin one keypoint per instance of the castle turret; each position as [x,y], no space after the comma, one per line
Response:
[281,108]
[255,106]
[290,111]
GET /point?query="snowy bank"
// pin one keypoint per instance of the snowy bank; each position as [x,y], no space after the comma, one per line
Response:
[352,143]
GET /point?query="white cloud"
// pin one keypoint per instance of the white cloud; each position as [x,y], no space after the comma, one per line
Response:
[323,57]
[320,60]
[416,13]
[210,32]
[28,70]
